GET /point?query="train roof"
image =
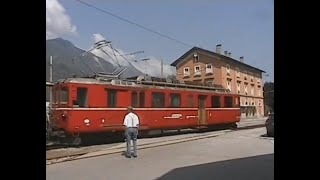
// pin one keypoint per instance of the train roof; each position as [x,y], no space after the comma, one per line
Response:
[160,83]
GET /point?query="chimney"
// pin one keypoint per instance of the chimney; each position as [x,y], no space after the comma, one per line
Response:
[218,49]
[241,59]
[229,54]
[226,53]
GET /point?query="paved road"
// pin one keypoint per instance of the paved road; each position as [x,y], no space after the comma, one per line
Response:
[236,155]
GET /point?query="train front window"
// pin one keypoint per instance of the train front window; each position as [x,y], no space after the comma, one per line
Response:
[64,95]
[82,98]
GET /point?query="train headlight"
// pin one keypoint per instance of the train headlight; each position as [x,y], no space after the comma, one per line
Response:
[86,121]
[65,115]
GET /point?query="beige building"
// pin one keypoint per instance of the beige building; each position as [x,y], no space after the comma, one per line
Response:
[215,68]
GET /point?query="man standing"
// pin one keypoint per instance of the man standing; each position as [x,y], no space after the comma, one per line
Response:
[131,121]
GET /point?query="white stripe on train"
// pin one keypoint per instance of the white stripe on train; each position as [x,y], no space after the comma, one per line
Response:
[140,109]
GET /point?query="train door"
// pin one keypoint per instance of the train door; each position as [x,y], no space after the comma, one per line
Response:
[201,109]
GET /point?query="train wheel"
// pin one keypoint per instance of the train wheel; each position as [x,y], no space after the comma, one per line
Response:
[234,126]
[76,141]
[71,140]
[48,131]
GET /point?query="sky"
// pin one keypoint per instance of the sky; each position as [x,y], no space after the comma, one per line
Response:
[243,27]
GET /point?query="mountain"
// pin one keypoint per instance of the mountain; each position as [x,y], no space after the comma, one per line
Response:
[63,51]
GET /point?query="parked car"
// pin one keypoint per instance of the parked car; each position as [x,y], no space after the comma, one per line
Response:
[270,125]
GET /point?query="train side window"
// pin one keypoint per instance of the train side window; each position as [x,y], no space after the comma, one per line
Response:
[134,99]
[158,100]
[112,98]
[175,100]
[82,98]
[141,99]
[215,101]
[64,95]
[190,100]
[228,101]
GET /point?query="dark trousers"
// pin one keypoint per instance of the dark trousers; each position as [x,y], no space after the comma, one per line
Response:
[131,134]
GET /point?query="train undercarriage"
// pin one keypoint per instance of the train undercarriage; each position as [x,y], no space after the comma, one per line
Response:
[58,136]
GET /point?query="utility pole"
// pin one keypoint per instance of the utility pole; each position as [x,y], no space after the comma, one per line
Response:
[51,81]
[50,69]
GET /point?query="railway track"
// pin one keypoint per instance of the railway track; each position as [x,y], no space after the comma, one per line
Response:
[87,153]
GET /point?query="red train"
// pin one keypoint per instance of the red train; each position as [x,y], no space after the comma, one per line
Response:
[89,107]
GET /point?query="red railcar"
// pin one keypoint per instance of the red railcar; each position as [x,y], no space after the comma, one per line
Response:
[86,106]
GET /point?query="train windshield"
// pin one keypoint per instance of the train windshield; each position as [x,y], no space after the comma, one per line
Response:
[60,95]
[64,95]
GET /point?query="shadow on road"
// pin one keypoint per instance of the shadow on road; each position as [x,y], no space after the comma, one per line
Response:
[251,168]
[266,136]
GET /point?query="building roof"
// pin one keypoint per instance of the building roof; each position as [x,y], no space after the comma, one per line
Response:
[214,54]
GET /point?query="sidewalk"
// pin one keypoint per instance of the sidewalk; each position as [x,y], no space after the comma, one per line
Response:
[171,139]
[246,122]
[224,157]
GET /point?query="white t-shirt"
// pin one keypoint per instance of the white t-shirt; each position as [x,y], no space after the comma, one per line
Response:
[131,120]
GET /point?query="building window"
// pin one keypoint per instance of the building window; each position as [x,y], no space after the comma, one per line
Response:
[246,89]
[229,84]
[259,91]
[175,100]
[209,83]
[228,69]
[238,87]
[252,103]
[197,71]
[238,72]
[251,78]
[258,80]
[245,75]
[186,71]
[195,57]
[252,89]
[259,103]
[209,69]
